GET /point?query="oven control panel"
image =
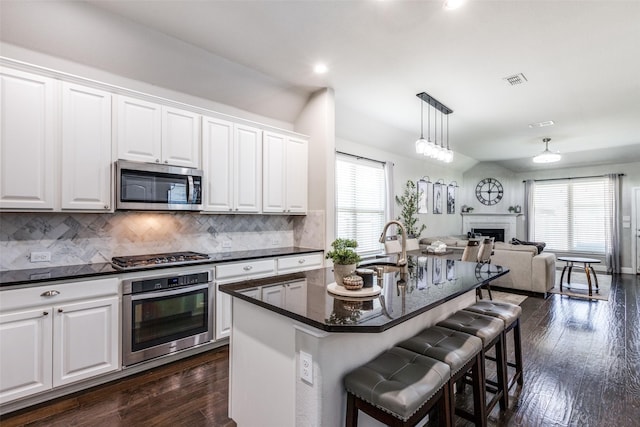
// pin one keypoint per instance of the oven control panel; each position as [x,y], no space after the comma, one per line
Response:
[136,286]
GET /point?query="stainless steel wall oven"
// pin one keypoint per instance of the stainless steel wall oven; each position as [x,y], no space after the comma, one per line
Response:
[165,314]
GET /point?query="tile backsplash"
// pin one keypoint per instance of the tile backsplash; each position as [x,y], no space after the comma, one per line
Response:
[90,238]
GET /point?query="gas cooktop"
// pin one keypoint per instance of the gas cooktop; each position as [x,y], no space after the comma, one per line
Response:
[146,261]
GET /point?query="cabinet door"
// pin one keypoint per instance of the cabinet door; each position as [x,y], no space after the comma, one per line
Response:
[217,163]
[223,314]
[274,172]
[85,340]
[139,130]
[180,138]
[248,169]
[86,148]
[274,295]
[296,297]
[296,175]
[25,353]
[27,140]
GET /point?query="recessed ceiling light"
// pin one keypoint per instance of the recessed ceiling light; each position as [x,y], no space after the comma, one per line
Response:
[320,68]
[452,4]
[542,124]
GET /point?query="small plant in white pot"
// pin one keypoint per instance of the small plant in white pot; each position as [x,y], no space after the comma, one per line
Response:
[344,257]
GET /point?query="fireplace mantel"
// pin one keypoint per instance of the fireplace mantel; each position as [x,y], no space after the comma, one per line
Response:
[506,221]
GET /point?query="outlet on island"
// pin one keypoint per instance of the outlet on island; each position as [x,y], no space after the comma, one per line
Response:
[226,245]
[306,367]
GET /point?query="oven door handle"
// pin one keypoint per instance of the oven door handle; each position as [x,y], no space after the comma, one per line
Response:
[167,293]
[191,191]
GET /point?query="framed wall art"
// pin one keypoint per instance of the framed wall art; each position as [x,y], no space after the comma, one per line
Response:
[451,199]
[423,190]
[437,198]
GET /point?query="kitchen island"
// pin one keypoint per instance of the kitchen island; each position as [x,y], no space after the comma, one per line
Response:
[292,341]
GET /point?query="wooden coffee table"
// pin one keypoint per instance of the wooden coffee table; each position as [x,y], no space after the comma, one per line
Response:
[588,269]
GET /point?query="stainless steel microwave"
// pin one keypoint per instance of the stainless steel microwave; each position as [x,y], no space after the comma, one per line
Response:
[149,186]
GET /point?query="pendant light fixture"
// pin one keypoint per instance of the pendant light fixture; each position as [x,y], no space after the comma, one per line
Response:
[432,147]
[421,143]
[547,156]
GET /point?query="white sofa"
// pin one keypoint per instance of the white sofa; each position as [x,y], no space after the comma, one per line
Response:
[528,270]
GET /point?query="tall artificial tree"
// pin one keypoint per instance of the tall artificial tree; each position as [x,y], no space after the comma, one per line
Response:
[409,214]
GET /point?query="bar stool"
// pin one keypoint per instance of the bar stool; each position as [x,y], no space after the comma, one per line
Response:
[399,388]
[484,257]
[491,331]
[463,353]
[510,314]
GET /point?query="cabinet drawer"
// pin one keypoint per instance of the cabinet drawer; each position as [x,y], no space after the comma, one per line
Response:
[300,263]
[246,270]
[57,293]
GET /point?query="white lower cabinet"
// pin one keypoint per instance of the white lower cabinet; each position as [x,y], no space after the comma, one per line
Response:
[85,340]
[25,353]
[223,314]
[56,335]
[292,296]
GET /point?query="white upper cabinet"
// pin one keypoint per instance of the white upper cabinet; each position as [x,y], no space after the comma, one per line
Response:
[86,148]
[284,174]
[296,175]
[217,163]
[232,163]
[138,130]
[152,133]
[248,169]
[28,142]
[180,137]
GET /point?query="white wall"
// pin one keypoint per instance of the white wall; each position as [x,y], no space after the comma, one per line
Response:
[408,168]
[514,190]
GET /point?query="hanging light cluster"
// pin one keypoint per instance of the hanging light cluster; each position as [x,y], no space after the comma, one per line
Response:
[432,147]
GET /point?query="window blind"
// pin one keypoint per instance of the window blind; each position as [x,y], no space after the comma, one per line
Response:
[360,202]
[572,215]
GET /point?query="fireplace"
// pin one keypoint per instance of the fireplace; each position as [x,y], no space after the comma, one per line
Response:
[497,233]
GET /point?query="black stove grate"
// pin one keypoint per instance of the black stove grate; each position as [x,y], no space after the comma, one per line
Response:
[170,258]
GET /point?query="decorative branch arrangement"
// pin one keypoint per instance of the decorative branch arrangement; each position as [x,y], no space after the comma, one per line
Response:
[409,204]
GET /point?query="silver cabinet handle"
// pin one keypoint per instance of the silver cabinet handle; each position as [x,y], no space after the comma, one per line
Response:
[49,294]
[60,310]
[302,261]
[247,267]
[45,313]
[166,161]
[106,206]
[157,160]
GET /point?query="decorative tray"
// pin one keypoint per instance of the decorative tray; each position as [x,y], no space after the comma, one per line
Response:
[336,289]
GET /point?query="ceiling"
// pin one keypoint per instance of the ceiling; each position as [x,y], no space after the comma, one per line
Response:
[581,60]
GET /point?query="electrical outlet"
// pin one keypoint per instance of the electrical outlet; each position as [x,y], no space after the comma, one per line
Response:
[40,256]
[275,241]
[306,367]
[226,245]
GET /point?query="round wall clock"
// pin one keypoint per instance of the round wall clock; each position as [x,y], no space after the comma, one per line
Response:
[489,191]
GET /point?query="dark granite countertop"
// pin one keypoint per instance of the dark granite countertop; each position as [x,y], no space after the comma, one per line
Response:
[431,281]
[10,278]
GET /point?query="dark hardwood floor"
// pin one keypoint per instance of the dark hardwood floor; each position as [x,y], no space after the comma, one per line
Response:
[582,368]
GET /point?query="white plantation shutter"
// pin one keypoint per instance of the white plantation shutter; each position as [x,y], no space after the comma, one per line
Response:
[360,202]
[572,215]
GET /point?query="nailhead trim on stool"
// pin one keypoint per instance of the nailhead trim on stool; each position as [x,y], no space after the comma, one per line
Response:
[510,314]
[463,353]
[491,331]
[398,388]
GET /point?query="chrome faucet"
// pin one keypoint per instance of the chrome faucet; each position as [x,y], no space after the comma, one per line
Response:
[402,260]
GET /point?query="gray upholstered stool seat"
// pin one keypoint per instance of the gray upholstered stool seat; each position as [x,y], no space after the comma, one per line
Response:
[401,383]
[491,331]
[463,353]
[510,314]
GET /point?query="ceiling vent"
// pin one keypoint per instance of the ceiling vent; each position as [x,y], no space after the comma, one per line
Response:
[515,79]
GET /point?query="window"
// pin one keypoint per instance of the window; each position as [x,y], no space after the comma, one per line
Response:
[360,202]
[572,215]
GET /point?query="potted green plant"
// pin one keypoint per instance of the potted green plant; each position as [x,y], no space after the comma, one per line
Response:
[344,257]
[409,213]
